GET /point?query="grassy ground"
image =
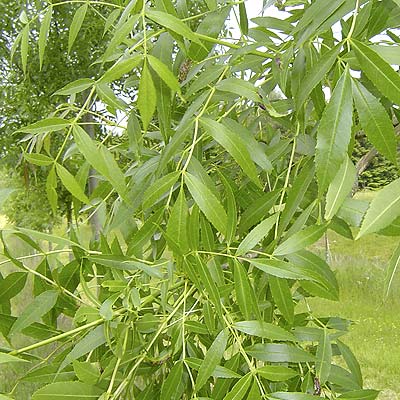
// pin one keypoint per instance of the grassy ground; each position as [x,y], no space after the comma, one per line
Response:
[374,337]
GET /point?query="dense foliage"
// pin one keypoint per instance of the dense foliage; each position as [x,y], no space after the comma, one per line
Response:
[219,162]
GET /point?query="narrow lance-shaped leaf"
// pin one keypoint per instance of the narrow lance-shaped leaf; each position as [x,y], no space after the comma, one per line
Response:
[340,188]
[172,387]
[391,269]
[75,87]
[351,362]
[238,392]
[276,373]
[234,144]
[76,25]
[24,47]
[158,188]
[164,73]
[243,20]
[41,305]
[283,297]
[146,97]
[334,132]
[280,353]
[207,202]
[212,359]
[383,210]
[256,235]
[324,357]
[120,68]
[68,391]
[265,330]
[12,285]
[381,74]
[43,34]
[70,183]
[375,122]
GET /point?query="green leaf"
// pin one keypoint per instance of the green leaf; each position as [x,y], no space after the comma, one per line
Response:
[243,20]
[264,330]
[375,122]
[283,297]
[383,210]
[231,210]
[7,358]
[279,353]
[51,185]
[276,373]
[67,391]
[291,396]
[366,394]
[12,285]
[5,194]
[121,67]
[24,47]
[76,24]
[164,73]
[245,296]
[91,341]
[49,238]
[158,188]
[381,74]
[239,87]
[146,97]
[70,183]
[38,159]
[211,359]
[219,372]
[46,125]
[351,362]
[324,357]
[234,144]
[256,235]
[241,387]
[75,87]
[343,378]
[173,23]
[207,202]
[340,188]
[172,387]
[334,132]
[177,229]
[86,372]
[39,306]
[107,95]
[280,268]
[315,75]
[301,240]
[391,269]
[43,34]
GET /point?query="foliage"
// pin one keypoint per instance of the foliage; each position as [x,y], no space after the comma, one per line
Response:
[211,194]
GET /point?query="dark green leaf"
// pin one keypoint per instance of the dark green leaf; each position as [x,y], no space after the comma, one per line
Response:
[283,297]
[276,373]
[324,357]
[147,97]
[241,387]
[67,391]
[158,188]
[279,353]
[264,330]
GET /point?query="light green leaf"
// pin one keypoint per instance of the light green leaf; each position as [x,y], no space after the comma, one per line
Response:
[375,122]
[67,391]
[315,75]
[383,210]
[301,240]
[219,372]
[38,159]
[86,372]
[164,73]
[5,193]
[283,297]
[12,285]
[49,238]
[173,23]
[334,132]
[243,20]
[121,67]
[340,188]
[378,71]
[43,34]
[240,87]
[24,47]
[234,144]
[264,330]
[159,187]
[256,235]
[70,183]
[276,373]
[76,24]
[211,359]
[391,269]
[324,357]
[173,387]
[7,358]
[241,387]
[177,223]
[147,97]
[207,202]
[367,394]
[291,396]
[39,306]
[75,87]
[107,95]
[46,125]
[231,210]
[91,341]
[279,353]
[245,296]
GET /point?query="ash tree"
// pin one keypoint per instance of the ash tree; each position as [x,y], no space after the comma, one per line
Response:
[219,163]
